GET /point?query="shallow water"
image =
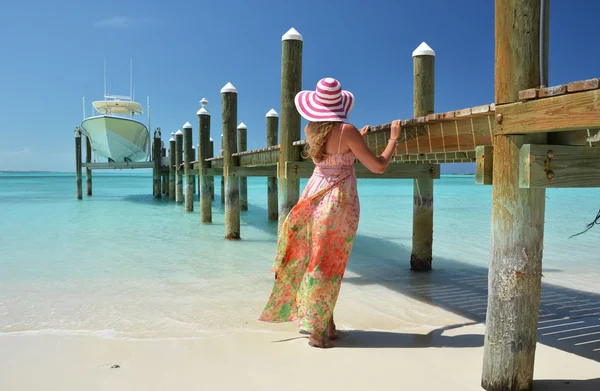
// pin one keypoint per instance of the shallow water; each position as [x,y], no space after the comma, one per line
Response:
[123,264]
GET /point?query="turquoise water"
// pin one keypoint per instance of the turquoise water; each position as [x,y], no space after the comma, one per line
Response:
[123,263]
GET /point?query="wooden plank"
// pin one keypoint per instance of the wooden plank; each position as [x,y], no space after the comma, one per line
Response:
[531,93]
[576,111]
[216,162]
[552,91]
[484,165]
[395,171]
[559,166]
[583,85]
[246,171]
[262,156]
[118,166]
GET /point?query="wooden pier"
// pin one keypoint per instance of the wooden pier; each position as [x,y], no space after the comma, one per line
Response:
[531,138]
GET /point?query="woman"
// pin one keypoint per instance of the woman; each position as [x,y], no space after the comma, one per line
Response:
[316,238]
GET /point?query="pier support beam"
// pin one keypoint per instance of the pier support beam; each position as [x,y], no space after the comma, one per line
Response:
[211,154]
[291,84]
[88,171]
[242,146]
[222,177]
[272,129]
[78,179]
[204,146]
[423,102]
[156,158]
[178,168]
[515,266]
[232,190]
[187,169]
[172,167]
[164,177]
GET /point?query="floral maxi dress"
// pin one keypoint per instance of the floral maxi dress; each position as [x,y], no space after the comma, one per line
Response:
[314,245]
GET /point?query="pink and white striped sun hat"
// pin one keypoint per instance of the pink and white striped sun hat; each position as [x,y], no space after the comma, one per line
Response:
[327,103]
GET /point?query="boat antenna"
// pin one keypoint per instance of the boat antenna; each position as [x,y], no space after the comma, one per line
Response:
[148,108]
[83,102]
[131,78]
[104,77]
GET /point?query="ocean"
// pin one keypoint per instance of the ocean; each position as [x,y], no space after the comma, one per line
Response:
[122,264]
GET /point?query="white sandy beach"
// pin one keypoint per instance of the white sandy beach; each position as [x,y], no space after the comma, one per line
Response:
[258,361]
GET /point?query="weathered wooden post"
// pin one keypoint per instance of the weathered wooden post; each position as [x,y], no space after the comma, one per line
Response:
[211,154]
[178,168]
[232,192]
[156,158]
[222,177]
[193,158]
[88,171]
[242,145]
[423,100]
[187,159]
[291,84]
[203,154]
[515,267]
[272,129]
[78,179]
[172,167]
[165,177]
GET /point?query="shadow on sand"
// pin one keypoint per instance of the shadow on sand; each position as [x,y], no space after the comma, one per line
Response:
[567,385]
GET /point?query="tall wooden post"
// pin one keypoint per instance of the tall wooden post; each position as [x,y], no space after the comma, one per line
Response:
[187,169]
[291,84]
[78,179]
[156,158]
[203,154]
[88,171]
[232,188]
[222,177]
[178,168]
[242,145]
[193,158]
[172,167]
[211,154]
[272,128]
[164,177]
[515,267]
[423,100]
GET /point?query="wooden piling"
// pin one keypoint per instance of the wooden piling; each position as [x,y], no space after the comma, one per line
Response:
[172,167]
[423,102]
[88,171]
[165,177]
[242,146]
[232,192]
[193,158]
[272,129]
[187,169]
[78,179]
[222,177]
[178,168]
[211,154]
[291,84]
[515,267]
[156,158]
[203,154]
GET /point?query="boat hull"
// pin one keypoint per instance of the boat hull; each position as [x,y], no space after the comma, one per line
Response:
[117,138]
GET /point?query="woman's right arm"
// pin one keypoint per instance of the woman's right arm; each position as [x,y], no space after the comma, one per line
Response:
[376,164]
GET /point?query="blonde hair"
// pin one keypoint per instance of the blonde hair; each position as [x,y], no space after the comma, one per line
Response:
[319,134]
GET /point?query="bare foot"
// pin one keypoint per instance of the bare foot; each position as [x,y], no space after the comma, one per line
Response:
[331,331]
[317,341]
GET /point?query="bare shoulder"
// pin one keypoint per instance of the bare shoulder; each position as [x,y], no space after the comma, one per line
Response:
[351,130]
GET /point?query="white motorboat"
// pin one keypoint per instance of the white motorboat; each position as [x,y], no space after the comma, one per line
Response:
[113,132]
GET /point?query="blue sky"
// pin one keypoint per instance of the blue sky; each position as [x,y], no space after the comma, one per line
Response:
[52,55]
